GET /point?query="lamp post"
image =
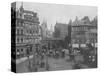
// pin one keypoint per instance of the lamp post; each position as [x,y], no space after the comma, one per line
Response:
[28,55]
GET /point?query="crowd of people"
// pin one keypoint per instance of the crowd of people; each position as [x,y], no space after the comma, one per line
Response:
[41,57]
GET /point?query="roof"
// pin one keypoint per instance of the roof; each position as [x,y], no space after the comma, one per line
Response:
[84,21]
[31,12]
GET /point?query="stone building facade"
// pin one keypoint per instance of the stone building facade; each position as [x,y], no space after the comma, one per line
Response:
[60,30]
[28,32]
[83,32]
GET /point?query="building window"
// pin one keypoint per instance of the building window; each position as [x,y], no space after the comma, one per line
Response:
[19,24]
[21,32]
[21,50]
[30,32]
[18,50]
[18,31]
[21,39]
[17,40]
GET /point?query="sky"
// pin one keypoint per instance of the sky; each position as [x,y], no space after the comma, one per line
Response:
[61,13]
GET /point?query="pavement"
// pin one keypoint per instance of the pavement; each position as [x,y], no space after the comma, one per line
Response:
[59,64]
[23,59]
[54,64]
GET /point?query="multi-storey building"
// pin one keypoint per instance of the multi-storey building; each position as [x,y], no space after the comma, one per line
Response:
[83,31]
[92,37]
[28,32]
[61,30]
